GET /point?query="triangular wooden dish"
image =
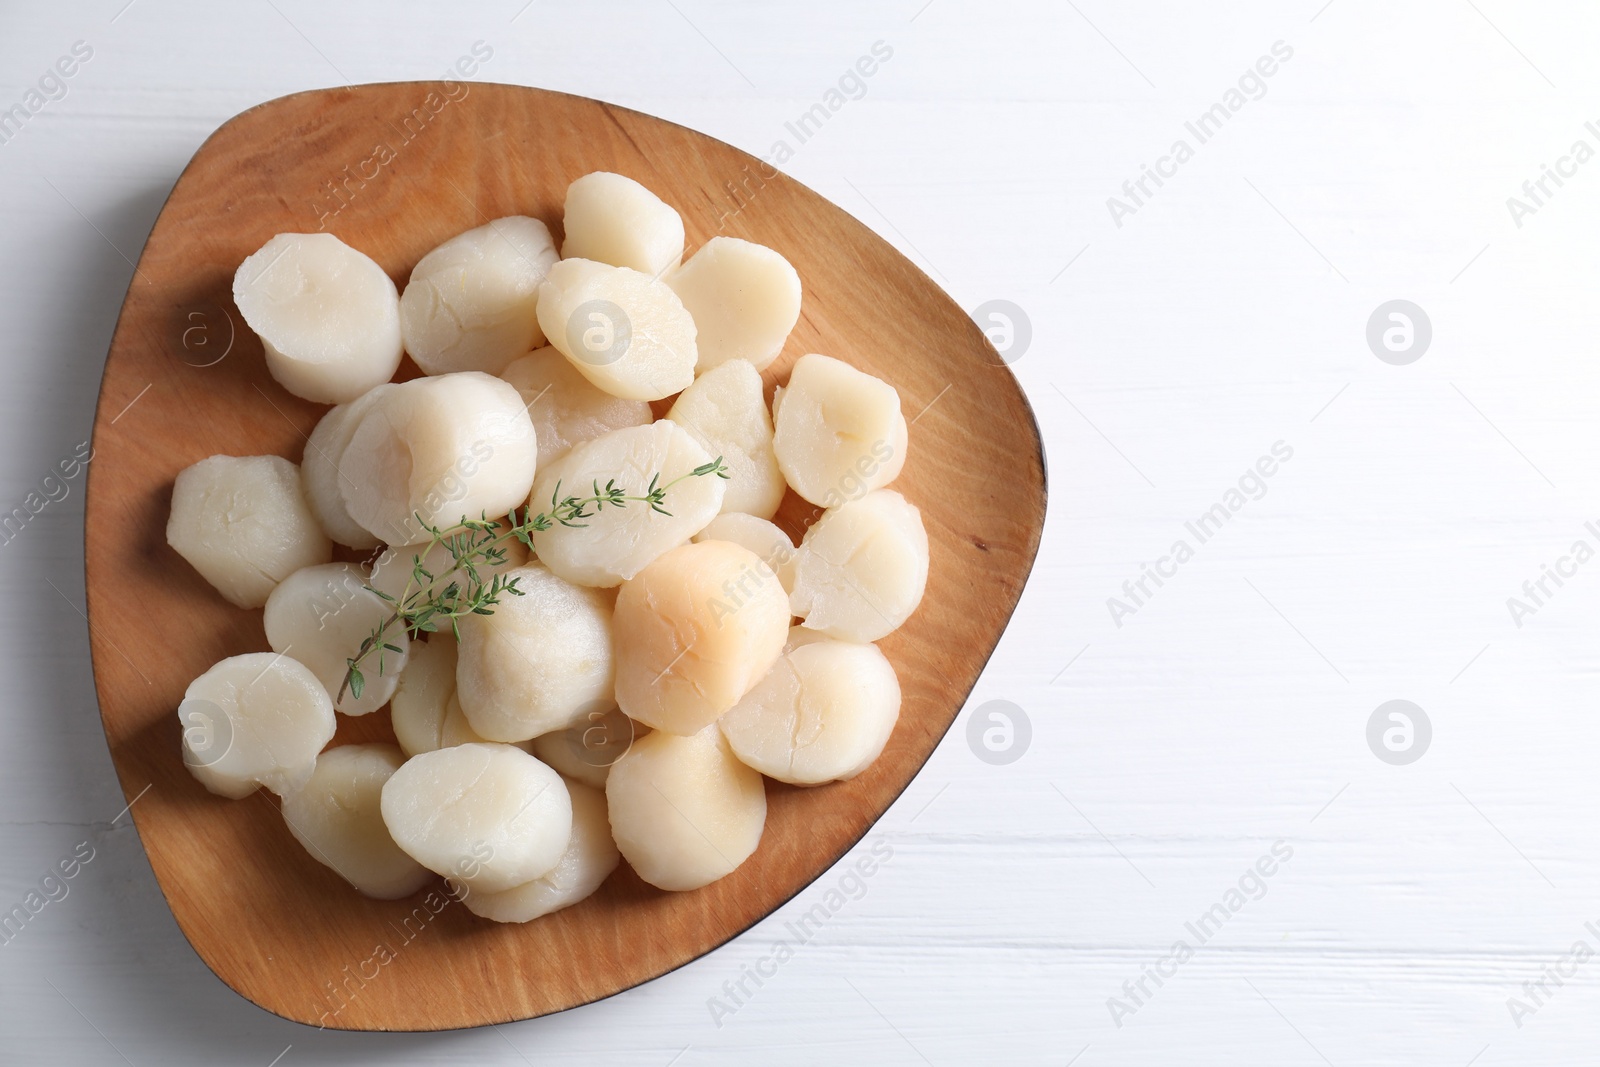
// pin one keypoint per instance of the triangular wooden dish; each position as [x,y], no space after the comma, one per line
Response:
[393,170]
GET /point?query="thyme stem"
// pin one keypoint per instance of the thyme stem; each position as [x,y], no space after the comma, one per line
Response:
[423,606]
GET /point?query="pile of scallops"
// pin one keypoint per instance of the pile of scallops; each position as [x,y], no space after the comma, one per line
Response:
[657,663]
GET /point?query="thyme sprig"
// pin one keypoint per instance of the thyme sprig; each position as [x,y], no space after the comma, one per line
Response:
[426,606]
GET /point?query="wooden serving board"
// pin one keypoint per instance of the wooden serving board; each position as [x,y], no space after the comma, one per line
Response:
[393,170]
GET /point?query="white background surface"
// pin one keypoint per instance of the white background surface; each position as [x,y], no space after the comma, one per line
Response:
[1228,713]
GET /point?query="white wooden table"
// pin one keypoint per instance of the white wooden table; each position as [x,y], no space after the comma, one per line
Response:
[1033,909]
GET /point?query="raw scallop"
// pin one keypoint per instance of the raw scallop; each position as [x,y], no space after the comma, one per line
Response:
[685,812]
[424,710]
[745,299]
[322,476]
[336,817]
[539,662]
[328,316]
[472,303]
[613,219]
[695,630]
[625,331]
[255,720]
[590,857]
[487,816]
[861,568]
[438,449]
[567,409]
[587,750]
[321,615]
[823,713]
[838,432]
[243,522]
[724,410]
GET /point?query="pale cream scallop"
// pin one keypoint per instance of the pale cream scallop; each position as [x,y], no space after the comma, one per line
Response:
[488,816]
[244,523]
[838,432]
[394,571]
[745,299]
[695,630]
[320,616]
[726,412]
[321,474]
[336,817]
[567,409]
[424,711]
[590,858]
[613,219]
[472,302]
[255,720]
[822,714]
[587,750]
[684,811]
[616,543]
[327,315]
[761,536]
[625,331]
[438,448]
[539,662]
[861,568]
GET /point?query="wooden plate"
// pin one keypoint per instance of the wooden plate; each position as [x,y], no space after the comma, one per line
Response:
[393,170]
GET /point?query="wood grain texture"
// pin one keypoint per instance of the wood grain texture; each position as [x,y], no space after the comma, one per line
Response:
[393,170]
